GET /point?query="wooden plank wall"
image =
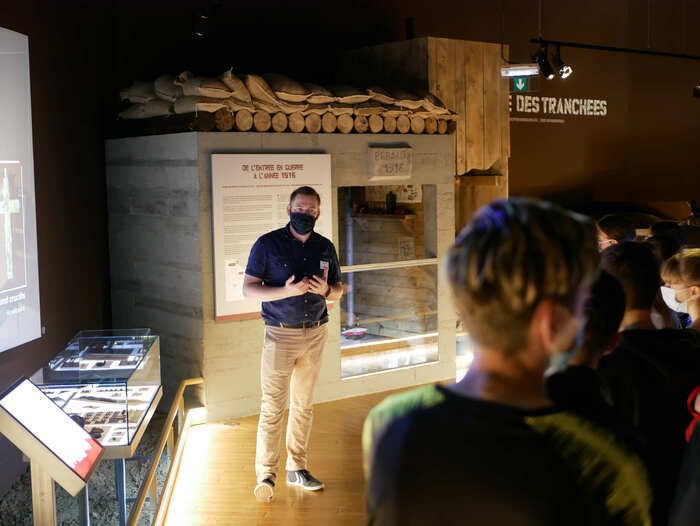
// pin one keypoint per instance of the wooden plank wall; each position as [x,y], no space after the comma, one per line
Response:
[465,75]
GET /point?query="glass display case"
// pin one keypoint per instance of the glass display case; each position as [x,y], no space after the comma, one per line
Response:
[387,246]
[107,381]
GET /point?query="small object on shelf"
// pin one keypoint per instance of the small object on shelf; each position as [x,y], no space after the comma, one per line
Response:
[390,124]
[354,333]
[431,125]
[390,202]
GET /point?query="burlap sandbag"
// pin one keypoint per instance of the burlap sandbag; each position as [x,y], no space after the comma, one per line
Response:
[423,114]
[153,108]
[166,89]
[260,89]
[371,107]
[381,95]
[339,108]
[319,94]
[234,104]
[205,87]
[291,107]
[265,106]
[406,99]
[433,104]
[287,89]
[236,86]
[195,104]
[318,109]
[140,92]
[348,94]
[394,111]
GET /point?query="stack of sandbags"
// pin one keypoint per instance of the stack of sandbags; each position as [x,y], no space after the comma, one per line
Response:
[277,102]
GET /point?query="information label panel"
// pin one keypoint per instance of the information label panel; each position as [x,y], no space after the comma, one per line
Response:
[43,432]
[250,194]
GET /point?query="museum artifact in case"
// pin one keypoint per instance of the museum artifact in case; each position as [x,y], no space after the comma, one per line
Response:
[108,381]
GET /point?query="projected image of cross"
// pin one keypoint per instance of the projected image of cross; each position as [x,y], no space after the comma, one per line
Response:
[7,208]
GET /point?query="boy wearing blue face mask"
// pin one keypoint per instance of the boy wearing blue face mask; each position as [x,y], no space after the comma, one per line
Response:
[293,270]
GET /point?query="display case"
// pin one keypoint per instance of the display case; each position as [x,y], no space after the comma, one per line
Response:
[107,381]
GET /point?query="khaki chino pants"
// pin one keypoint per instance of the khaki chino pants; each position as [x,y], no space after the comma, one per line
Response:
[291,361]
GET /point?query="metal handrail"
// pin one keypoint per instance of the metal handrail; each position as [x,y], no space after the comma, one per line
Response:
[149,488]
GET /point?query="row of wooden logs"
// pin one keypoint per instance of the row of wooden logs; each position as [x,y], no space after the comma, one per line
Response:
[262,121]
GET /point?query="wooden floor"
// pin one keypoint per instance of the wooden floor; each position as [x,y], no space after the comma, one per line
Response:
[217,475]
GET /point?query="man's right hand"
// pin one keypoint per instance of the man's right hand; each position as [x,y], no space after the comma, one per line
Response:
[296,289]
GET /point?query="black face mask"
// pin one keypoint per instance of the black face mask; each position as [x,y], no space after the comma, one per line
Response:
[302,223]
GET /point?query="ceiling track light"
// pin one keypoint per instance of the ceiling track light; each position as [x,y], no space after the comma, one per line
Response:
[564,69]
[543,62]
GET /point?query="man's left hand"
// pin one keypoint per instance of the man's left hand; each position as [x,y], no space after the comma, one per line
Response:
[318,286]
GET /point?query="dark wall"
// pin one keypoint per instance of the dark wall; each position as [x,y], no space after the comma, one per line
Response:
[70,188]
[642,150]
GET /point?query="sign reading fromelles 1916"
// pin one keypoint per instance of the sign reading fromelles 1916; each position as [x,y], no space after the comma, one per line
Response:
[389,164]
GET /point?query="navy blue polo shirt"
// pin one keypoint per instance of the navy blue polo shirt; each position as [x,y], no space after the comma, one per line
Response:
[276,256]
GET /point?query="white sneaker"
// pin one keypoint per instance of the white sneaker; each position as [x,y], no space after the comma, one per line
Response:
[264,490]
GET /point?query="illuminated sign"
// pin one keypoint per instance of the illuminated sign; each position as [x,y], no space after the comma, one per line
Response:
[36,417]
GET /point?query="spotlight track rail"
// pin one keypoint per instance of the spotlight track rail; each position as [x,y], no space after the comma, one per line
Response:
[596,47]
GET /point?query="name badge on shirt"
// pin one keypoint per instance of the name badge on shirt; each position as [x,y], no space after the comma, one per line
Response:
[325,265]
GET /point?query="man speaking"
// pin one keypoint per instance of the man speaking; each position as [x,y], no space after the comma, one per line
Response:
[293,270]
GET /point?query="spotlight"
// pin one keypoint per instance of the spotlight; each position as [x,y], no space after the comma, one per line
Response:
[696,91]
[520,70]
[564,69]
[541,59]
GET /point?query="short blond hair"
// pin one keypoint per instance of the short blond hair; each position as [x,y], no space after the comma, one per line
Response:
[514,254]
[684,267]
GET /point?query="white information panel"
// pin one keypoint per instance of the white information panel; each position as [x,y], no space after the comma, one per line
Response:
[38,427]
[250,194]
[20,319]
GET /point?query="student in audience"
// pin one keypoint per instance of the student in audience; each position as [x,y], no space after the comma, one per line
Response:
[493,449]
[613,229]
[686,503]
[681,276]
[579,385]
[651,371]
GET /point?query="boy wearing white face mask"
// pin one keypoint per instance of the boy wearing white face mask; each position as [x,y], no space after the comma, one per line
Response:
[681,276]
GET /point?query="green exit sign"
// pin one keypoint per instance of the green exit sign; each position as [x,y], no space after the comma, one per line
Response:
[521,84]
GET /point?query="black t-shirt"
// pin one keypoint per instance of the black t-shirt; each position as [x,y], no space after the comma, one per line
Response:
[447,459]
[649,376]
[686,507]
